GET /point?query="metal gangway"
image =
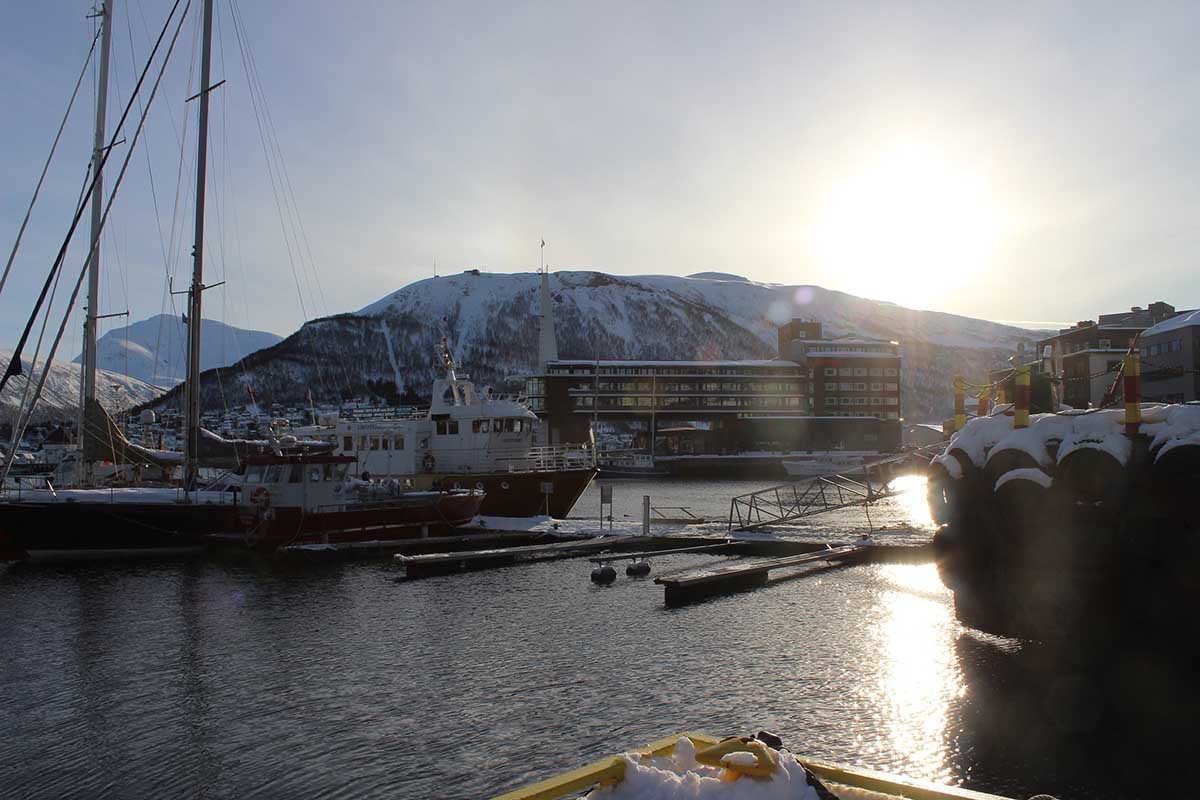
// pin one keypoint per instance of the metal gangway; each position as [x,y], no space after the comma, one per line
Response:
[786,503]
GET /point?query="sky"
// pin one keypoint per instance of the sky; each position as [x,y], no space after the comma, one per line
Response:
[1020,162]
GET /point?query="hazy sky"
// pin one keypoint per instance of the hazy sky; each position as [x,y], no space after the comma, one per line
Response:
[1008,161]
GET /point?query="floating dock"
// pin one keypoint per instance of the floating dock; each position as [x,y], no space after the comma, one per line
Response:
[701,584]
[423,566]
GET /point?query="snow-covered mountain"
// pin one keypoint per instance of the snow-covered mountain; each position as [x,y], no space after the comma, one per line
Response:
[60,397]
[155,350]
[387,349]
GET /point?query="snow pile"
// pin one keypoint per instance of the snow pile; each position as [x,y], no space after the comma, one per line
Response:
[951,464]
[1035,475]
[680,776]
[980,435]
[1180,425]
[1100,430]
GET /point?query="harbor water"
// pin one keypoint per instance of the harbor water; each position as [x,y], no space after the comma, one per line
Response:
[258,679]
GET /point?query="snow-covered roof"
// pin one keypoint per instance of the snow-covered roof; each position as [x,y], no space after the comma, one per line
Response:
[1184,320]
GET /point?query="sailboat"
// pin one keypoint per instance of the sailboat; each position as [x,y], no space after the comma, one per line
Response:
[284,496]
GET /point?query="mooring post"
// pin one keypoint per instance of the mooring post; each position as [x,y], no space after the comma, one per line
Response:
[984,398]
[1133,393]
[960,403]
[645,515]
[1021,409]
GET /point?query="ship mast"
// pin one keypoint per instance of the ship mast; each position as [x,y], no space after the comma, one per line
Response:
[195,292]
[88,385]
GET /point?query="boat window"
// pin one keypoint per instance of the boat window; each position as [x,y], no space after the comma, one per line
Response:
[441,427]
[362,443]
[452,426]
[330,472]
[385,442]
[510,425]
[340,471]
[374,442]
[297,473]
[398,443]
[253,474]
[479,426]
[314,473]
[273,473]
[497,425]
[347,443]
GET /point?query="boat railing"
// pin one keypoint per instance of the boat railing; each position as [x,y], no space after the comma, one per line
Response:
[552,458]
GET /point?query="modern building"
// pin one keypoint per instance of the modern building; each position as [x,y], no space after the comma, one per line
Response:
[851,376]
[1170,354]
[819,394]
[1086,356]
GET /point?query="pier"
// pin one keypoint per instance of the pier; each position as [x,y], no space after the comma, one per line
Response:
[701,584]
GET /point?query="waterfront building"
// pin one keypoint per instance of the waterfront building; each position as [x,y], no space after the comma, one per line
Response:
[1170,354]
[1086,355]
[818,394]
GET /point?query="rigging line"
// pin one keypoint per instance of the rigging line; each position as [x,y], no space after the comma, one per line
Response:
[46,167]
[291,211]
[176,227]
[239,33]
[295,209]
[104,217]
[62,253]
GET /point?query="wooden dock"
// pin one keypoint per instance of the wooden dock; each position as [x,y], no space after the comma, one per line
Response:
[422,566]
[692,586]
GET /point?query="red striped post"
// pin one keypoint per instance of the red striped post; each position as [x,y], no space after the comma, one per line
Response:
[1021,409]
[960,403]
[985,398]
[1133,393]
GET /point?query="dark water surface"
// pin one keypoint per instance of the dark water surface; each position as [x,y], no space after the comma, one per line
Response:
[251,679]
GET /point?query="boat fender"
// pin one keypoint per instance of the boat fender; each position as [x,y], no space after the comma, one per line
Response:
[261,497]
[638,568]
[604,574]
[428,462]
[719,755]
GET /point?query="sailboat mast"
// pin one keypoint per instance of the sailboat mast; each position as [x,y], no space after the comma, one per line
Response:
[88,386]
[192,418]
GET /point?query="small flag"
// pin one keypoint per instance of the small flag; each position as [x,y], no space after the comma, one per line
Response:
[250,391]
[185,319]
[543,242]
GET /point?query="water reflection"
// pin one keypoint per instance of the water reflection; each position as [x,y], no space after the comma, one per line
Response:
[919,676]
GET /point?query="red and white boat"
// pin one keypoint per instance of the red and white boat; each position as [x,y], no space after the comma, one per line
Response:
[290,500]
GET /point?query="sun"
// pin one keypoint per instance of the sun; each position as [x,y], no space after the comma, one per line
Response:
[910,227]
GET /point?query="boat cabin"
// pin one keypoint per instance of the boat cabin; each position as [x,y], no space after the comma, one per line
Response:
[306,481]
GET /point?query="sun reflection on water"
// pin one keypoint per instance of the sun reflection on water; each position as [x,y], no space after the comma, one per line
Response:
[919,677]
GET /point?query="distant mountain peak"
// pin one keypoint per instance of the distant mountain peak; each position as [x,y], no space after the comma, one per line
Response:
[719,276]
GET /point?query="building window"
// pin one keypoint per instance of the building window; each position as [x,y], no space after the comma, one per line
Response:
[890,372]
[846,372]
[876,372]
[891,387]
[876,387]
[845,401]
[860,401]
[831,387]
[860,387]
[1105,344]
[860,372]
[830,371]
[876,401]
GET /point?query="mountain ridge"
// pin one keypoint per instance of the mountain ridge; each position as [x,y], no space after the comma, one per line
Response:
[386,350]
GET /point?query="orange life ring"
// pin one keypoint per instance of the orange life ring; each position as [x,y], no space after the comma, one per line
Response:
[261,497]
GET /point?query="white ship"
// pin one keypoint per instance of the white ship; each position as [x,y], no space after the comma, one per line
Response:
[469,439]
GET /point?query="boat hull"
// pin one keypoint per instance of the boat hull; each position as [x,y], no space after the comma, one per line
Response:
[519,494]
[406,517]
[75,531]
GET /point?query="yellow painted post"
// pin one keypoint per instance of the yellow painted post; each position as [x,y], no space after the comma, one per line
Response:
[960,403]
[1133,393]
[1021,408]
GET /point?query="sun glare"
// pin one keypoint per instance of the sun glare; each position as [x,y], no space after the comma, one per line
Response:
[909,227]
